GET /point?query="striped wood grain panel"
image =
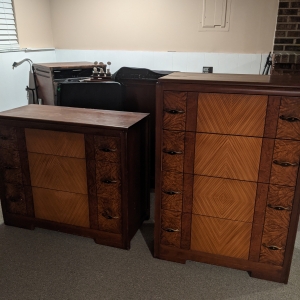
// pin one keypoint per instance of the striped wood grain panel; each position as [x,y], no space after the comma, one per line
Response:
[220,236]
[233,157]
[58,173]
[224,198]
[174,101]
[290,107]
[232,114]
[289,152]
[55,142]
[62,207]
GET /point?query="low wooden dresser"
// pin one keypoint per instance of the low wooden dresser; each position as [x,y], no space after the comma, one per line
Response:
[227,171]
[80,171]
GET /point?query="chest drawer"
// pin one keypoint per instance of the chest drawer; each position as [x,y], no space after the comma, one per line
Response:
[285,163]
[174,110]
[107,149]
[173,151]
[234,114]
[172,191]
[170,233]
[8,138]
[55,142]
[15,199]
[10,166]
[289,119]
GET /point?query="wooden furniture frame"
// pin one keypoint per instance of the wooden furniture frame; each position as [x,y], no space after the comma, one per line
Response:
[227,171]
[80,171]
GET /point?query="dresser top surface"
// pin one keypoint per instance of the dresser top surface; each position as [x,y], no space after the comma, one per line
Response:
[73,116]
[234,79]
[66,65]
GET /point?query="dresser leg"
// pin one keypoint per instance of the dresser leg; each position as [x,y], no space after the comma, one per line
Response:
[272,276]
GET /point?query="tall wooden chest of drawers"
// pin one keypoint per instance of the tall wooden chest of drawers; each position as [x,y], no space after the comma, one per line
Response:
[80,171]
[227,171]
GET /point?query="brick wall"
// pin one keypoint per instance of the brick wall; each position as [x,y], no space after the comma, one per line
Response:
[286,58]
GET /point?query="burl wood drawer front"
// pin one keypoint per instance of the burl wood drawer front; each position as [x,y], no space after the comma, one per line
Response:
[108,176]
[15,199]
[219,236]
[109,213]
[172,191]
[61,207]
[289,119]
[173,151]
[233,157]
[58,173]
[174,114]
[10,166]
[55,142]
[232,114]
[274,238]
[280,197]
[285,162]
[170,228]
[224,198]
[107,148]
[8,138]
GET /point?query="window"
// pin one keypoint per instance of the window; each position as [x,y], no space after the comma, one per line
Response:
[8,30]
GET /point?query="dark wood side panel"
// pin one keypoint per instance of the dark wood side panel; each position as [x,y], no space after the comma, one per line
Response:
[272,117]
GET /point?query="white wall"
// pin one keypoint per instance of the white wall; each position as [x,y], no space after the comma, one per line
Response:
[14,82]
[238,63]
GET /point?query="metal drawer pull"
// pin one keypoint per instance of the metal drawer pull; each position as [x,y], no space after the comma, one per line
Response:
[272,247]
[171,192]
[108,216]
[170,230]
[285,163]
[289,118]
[174,111]
[108,149]
[10,167]
[5,138]
[172,152]
[279,207]
[108,181]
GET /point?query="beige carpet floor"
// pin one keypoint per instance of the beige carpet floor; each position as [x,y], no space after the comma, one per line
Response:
[43,264]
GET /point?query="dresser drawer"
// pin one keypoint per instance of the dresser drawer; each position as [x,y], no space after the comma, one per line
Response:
[289,119]
[10,166]
[232,114]
[174,110]
[107,149]
[224,198]
[233,157]
[8,138]
[285,162]
[58,173]
[172,191]
[15,199]
[108,180]
[220,236]
[274,238]
[55,142]
[109,212]
[61,207]
[170,228]
[173,151]
[280,197]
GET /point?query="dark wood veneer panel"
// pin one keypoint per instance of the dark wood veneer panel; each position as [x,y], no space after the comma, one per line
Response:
[189,152]
[188,182]
[186,222]
[266,160]
[192,108]
[272,117]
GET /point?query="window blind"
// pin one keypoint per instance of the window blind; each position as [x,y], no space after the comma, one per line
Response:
[8,29]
